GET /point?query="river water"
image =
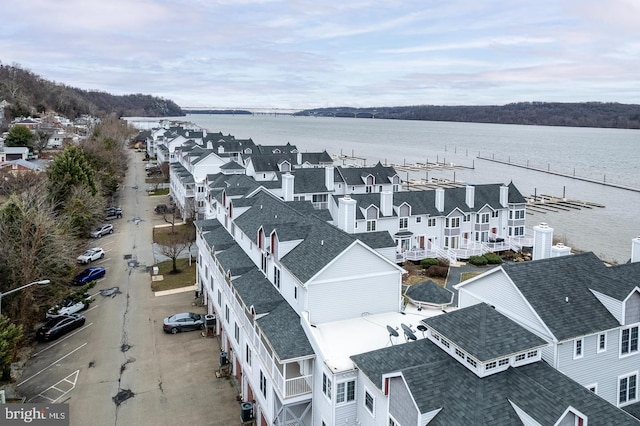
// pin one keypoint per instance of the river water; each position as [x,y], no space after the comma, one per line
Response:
[604,155]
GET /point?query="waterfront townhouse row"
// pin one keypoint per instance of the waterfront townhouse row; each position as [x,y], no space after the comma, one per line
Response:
[313,323]
[588,312]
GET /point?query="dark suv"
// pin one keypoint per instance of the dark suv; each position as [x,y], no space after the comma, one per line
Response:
[164,208]
[113,213]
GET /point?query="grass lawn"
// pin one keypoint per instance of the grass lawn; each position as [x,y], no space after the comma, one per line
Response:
[160,191]
[185,278]
[468,275]
[187,274]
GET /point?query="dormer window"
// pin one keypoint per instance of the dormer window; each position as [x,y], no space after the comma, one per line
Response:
[372,218]
[369,182]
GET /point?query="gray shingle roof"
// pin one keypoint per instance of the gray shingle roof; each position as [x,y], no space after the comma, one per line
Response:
[437,381]
[620,281]
[558,290]
[429,292]
[234,259]
[484,333]
[283,330]
[256,290]
[356,175]
[309,181]
[376,240]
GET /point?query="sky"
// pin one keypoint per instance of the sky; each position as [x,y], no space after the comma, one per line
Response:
[299,54]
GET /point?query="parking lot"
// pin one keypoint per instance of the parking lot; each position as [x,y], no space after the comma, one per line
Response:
[120,368]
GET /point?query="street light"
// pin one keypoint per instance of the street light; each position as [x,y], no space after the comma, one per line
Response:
[41,282]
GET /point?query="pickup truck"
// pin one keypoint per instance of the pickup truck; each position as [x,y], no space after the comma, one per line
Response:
[113,213]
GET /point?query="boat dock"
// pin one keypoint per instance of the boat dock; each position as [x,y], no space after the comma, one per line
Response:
[567,175]
[549,203]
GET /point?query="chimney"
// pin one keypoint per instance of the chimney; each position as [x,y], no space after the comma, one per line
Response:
[299,158]
[635,249]
[504,196]
[287,186]
[542,240]
[347,214]
[329,179]
[470,196]
[386,203]
[440,199]
[560,250]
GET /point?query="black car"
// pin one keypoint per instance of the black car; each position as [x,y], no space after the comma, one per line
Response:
[164,208]
[59,325]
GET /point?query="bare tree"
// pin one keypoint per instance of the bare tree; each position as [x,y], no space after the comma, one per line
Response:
[173,246]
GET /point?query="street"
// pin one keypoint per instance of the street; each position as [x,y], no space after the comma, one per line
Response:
[120,368]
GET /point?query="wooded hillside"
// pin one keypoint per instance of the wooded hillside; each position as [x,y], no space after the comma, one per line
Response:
[584,114]
[30,94]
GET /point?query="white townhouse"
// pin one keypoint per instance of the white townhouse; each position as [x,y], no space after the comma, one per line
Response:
[451,223]
[366,180]
[475,367]
[276,278]
[587,311]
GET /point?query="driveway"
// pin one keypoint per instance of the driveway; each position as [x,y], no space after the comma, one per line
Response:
[121,368]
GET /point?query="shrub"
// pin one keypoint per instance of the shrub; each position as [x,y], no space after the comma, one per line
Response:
[493,258]
[426,263]
[437,271]
[478,260]
[443,261]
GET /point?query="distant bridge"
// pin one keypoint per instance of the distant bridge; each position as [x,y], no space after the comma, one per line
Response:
[265,111]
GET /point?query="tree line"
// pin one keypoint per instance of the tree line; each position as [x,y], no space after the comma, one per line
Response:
[29,94]
[582,114]
[45,219]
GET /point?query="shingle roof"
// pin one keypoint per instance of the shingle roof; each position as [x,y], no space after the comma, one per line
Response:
[558,290]
[484,333]
[256,290]
[429,292]
[437,381]
[234,259]
[309,181]
[621,280]
[355,175]
[285,333]
[376,240]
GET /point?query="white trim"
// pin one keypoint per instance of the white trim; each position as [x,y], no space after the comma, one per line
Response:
[578,345]
[628,401]
[598,349]
[594,386]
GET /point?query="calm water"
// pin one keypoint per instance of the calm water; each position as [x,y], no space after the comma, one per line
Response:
[602,154]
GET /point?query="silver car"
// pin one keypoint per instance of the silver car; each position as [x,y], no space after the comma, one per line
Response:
[185,321]
[105,229]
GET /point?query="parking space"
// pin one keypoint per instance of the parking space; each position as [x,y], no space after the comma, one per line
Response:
[121,367]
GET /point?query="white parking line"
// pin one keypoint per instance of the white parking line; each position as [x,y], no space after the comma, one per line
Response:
[59,389]
[61,340]
[50,365]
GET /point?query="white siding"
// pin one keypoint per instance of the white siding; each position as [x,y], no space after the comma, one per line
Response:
[614,306]
[496,289]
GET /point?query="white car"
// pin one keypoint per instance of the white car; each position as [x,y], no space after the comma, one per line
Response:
[91,255]
[70,305]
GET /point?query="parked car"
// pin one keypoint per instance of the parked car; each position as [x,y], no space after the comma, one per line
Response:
[57,326]
[113,213]
[101,230]
[90,274]
[185,321]
[154,171]
[164,208]
[70,305]
[91,255]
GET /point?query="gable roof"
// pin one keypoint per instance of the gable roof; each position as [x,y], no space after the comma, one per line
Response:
[484,333]
[355,175]
[429,292]
[285,333]
[558,290]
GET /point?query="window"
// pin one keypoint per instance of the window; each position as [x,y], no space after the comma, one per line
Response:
[295,292]
[520,357]
[263,384]
[482,218]
[403,223]
[577,348]
[248,355]
[392,422]
[593,388]
[226,312]
[627,388]
[504,361]
[445,342]
[368,401]
[431,222]
[326,385]
[459,353]
[602,342]
[276,277]
[419,219]
[346,391]
[219,298]
[471,361]
[236,330]
[629,340]
[371,225]
[532,354]
[452,222]
[491,365]
[494,213]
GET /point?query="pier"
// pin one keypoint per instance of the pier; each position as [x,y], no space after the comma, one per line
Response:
[567,175]
[550,203]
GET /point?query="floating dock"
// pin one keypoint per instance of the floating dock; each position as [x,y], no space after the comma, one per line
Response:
[549,203]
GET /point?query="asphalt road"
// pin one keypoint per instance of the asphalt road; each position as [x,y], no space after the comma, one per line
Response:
[121,368]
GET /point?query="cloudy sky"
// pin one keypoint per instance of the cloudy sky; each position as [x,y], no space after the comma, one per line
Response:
[307,54]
